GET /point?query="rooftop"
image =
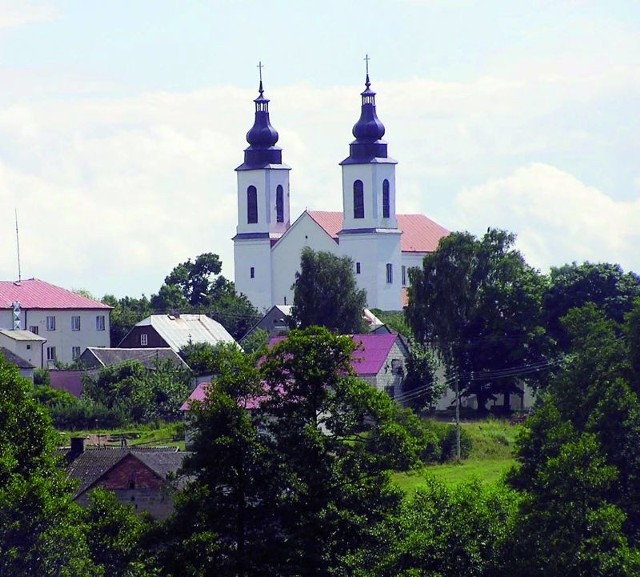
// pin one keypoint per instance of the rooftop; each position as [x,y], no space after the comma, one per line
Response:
[34,293]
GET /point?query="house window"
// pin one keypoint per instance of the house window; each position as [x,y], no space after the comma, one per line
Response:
[51,323]
[100,324]
[143,340]
[385,199]
[34,329]
[51,353]
[252,272]
[389,273]
[357,268]
[75,323]
[252,205]
[358,199]
[279,204]
[404,275]
[75,352]
[28,347]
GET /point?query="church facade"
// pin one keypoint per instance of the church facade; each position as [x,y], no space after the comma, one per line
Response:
[383,245]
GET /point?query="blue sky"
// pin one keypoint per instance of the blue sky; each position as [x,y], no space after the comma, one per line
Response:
[121,123]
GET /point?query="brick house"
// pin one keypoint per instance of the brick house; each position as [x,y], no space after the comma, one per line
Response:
[140,477]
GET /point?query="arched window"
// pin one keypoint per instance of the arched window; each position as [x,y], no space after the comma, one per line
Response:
[252,205]
[386,211]
[358,199]
[279,204]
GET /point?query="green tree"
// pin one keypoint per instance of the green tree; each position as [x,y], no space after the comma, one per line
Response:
[326,293]
[142,394]
[126,313]
[115,535]
[40,532]
[478,304]
[298,485]
[420,388]
[573,285]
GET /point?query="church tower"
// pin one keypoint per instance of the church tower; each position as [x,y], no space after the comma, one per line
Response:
[370,234]
[263,207]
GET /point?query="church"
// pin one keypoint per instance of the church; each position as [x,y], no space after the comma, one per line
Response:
[383,245]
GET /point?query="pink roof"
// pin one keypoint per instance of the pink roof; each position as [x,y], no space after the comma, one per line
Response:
[419,233]
[198,394]
[371,352]
[37,294]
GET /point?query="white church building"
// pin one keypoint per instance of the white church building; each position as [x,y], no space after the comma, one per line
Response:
[383,245]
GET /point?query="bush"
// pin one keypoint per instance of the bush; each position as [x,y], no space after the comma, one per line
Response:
[446,435]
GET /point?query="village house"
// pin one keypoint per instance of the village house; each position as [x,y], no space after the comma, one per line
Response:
[175,331]
[69,322]
[141,477]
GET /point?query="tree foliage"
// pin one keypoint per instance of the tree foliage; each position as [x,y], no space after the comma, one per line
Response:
[579,459]
[140,393]
[478,304]
[299,484]
[574,285]
[326,293]
[40,533]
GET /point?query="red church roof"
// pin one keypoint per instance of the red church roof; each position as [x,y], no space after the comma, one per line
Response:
[419,233]
[36,294]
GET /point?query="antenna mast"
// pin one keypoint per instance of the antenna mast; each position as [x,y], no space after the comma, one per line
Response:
[18,247]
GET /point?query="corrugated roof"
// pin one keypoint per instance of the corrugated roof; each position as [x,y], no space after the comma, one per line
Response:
[180,330]
[419,233]
[198,394]
[36,294]
[148,357]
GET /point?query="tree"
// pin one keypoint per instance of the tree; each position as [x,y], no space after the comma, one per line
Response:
[478,304]
[420,389]
[40,532]
[198,286]
[192,283]
[298,485]
[326,293]
[578,459]
[141,394]
[126,313]
[574,285]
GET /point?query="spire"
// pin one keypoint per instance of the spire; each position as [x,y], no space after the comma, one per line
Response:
[369,130]
[262,137]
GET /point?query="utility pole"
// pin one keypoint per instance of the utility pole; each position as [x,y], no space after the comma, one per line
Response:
[457,388]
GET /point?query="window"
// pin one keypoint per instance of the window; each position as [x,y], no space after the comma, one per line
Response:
[100,323]
[385,199]
[279,204]
[252,272]
[75,352]
[34,329]
[404,275]
[143,340]
[28,347]
[51,323]
[51,353]
[357,268]
[252,205]
[389,273]
[75,323]
[358,199]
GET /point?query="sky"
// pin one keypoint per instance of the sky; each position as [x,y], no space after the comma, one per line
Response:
[121,124]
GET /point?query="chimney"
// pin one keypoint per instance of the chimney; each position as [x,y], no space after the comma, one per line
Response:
[77,448]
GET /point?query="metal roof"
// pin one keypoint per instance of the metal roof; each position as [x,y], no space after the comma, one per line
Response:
[34,293]
[180,330]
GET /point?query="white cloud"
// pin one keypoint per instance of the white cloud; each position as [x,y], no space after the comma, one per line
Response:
[15,13]
[557,218]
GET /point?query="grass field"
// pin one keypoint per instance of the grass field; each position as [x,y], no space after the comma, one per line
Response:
[491,457]
[166,435]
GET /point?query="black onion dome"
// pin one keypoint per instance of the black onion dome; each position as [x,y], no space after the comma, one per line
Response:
[369,128]
[262,134]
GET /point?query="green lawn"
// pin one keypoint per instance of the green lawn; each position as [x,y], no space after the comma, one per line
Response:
[491,457]
[166,435]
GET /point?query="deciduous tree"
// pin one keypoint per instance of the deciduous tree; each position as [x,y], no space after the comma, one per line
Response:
[326,293]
